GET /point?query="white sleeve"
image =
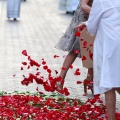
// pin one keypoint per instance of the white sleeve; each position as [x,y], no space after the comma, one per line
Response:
[94,17]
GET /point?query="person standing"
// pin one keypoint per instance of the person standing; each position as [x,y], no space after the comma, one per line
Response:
[104,23]
[69,42]
[13,9]
[68,5]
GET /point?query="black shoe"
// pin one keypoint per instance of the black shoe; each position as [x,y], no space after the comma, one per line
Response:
[15,19]
[73,12]
[67,12]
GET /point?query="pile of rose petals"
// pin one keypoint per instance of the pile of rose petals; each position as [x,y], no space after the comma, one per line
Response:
[42,107]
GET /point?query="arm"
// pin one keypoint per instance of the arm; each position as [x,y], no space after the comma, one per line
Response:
[94,17]
[85,7]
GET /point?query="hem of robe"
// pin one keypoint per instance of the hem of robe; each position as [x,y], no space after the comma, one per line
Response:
[101,90]
[13,16]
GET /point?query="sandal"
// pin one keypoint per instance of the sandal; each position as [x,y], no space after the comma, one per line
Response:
[59,84]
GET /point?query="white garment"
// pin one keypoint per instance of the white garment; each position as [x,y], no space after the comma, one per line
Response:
[68,5]
[104,22]
[13,8]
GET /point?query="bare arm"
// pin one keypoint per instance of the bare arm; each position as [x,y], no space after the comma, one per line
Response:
[85,7]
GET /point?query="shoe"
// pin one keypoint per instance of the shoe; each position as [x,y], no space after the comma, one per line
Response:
[60,95]
[15,19]
[59,84]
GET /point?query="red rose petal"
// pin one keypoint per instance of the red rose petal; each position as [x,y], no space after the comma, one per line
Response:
[24,52]
[56,56]
[83,58]
[79,82]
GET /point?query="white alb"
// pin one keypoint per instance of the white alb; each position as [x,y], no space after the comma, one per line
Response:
[104,22]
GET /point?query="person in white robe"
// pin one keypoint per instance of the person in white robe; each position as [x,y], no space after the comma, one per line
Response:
[13,8]
[68,5]
[104,23]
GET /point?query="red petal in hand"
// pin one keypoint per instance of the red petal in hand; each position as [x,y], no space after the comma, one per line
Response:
[21,68]
[56,71]
[63,68]
[77,34]
[77,72]
[76,51]
[45,67]
[14,75]
[84,44]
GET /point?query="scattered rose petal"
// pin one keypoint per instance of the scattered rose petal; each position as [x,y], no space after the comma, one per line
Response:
[24,63]
[79,82]
[83,58]
[56,56]
[71,66]
[24,52]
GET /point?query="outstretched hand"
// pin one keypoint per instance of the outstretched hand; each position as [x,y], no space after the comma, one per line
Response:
[81,27]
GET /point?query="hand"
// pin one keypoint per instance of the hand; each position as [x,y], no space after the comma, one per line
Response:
[81,27]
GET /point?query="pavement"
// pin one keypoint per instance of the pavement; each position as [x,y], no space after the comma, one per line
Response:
[38,29]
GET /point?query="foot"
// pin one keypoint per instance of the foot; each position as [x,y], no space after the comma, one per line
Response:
[73,12]
[67,12]
[88,84]
[15,19]
[59,84]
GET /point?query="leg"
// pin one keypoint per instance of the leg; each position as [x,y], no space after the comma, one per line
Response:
[110,99]
[70,58]
[90,73]
[89,77]
[85,88]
